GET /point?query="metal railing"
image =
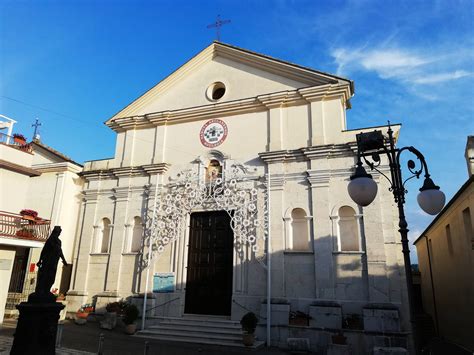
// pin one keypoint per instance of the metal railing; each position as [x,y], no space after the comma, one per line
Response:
[162,304]
[16,226]
[10,141]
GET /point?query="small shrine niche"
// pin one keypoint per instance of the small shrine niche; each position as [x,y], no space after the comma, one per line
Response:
[213,171]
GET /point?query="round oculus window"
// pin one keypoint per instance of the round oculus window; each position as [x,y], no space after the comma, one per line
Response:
[213,133]
[215,91]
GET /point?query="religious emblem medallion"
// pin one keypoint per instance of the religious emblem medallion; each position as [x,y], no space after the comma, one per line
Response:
[213,133]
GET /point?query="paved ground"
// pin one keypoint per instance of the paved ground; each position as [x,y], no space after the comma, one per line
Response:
[84,339]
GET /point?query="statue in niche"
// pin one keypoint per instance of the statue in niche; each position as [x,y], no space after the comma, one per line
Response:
[48,263]
[213,171]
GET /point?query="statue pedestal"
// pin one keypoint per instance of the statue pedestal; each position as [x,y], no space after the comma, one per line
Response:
[37,326]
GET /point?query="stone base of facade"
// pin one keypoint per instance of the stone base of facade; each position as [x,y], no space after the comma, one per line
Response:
[321,340]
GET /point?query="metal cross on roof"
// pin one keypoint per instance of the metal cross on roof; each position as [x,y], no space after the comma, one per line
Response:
[36,125]
[218,24]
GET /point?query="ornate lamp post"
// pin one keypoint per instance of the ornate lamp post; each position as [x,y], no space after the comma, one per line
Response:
[363,189]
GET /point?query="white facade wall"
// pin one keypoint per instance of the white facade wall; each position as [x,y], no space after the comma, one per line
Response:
[290,129]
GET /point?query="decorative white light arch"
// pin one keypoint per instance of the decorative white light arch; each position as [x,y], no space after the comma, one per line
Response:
[242,194]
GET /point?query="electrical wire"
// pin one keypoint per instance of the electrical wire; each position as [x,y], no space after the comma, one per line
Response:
[193,154]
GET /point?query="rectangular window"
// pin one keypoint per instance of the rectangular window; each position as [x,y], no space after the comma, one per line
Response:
[449,239]
[468,232]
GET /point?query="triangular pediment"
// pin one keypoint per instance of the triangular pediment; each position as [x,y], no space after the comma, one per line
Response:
[244,74]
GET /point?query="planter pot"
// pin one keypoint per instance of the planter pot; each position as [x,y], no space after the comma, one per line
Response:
[28,217]
[339,339]
[110,320]
[130,329]
[82,315]
[19,141]
[248,339]
[80,321]
[300,321]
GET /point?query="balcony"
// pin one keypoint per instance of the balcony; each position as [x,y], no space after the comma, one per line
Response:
[16,226]
[10,141]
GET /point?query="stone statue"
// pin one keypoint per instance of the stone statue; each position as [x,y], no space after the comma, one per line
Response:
[37,324]
[48,263]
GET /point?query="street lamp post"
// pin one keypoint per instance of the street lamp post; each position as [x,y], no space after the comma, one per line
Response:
[363,189]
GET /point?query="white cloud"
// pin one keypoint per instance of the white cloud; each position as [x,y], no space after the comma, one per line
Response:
[398,64]
[438,78]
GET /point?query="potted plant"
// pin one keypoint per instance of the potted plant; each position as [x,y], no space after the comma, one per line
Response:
[353,321]
[26,233]
[129,318]
[299,318]
[249,323]
[110,317]
[29,214]
[81,316]
[339,339]
[19,138]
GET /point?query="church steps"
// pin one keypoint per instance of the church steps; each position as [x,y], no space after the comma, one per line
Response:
[195,329]
[199,330]
[198,340]
[196,318]
[200,324]
[194,335]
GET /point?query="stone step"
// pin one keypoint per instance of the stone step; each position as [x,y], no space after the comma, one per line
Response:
[180,338]
[196,320]
[192,328]
[193,335]
[192,323]
[196,329]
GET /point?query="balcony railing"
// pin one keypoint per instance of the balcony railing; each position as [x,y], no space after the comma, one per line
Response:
[10,141]
[16,226]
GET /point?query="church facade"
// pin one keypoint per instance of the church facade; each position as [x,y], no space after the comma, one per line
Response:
[227,193]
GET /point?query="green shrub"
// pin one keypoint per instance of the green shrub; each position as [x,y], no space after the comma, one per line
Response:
[249,322]
[130,314]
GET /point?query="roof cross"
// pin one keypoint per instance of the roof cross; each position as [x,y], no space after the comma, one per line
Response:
[36,125]
[218,24]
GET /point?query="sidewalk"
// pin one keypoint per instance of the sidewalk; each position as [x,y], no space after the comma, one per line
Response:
[84,340]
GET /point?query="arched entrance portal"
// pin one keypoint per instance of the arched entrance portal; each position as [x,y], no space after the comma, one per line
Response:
[210,264]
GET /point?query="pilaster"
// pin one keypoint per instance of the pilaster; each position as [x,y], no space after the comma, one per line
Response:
[277,184]
[121,196]
[323,243]
[85,241]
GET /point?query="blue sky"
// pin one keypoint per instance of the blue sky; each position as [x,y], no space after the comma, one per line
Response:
[74,64]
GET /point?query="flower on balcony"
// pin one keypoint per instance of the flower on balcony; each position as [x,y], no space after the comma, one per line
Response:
[27,233]
[27,212]
[19,136]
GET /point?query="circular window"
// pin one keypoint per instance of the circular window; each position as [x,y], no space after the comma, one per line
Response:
[215,91]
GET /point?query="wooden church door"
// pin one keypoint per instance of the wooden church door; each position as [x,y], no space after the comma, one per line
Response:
[210,264]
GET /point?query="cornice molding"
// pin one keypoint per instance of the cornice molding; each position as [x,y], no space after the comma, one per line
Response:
[129,171]
[58,167]
[327,151]
[241,106]
[317,178]
[277,182]
[20,169]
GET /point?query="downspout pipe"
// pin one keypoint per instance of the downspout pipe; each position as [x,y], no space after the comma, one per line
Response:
[269,265]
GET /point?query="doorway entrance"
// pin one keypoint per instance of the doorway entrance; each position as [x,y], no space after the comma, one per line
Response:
[210,264]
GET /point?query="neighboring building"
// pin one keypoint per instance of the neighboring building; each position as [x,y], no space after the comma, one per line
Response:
[203,142]
[34,176]
[470,155]
[446,262]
